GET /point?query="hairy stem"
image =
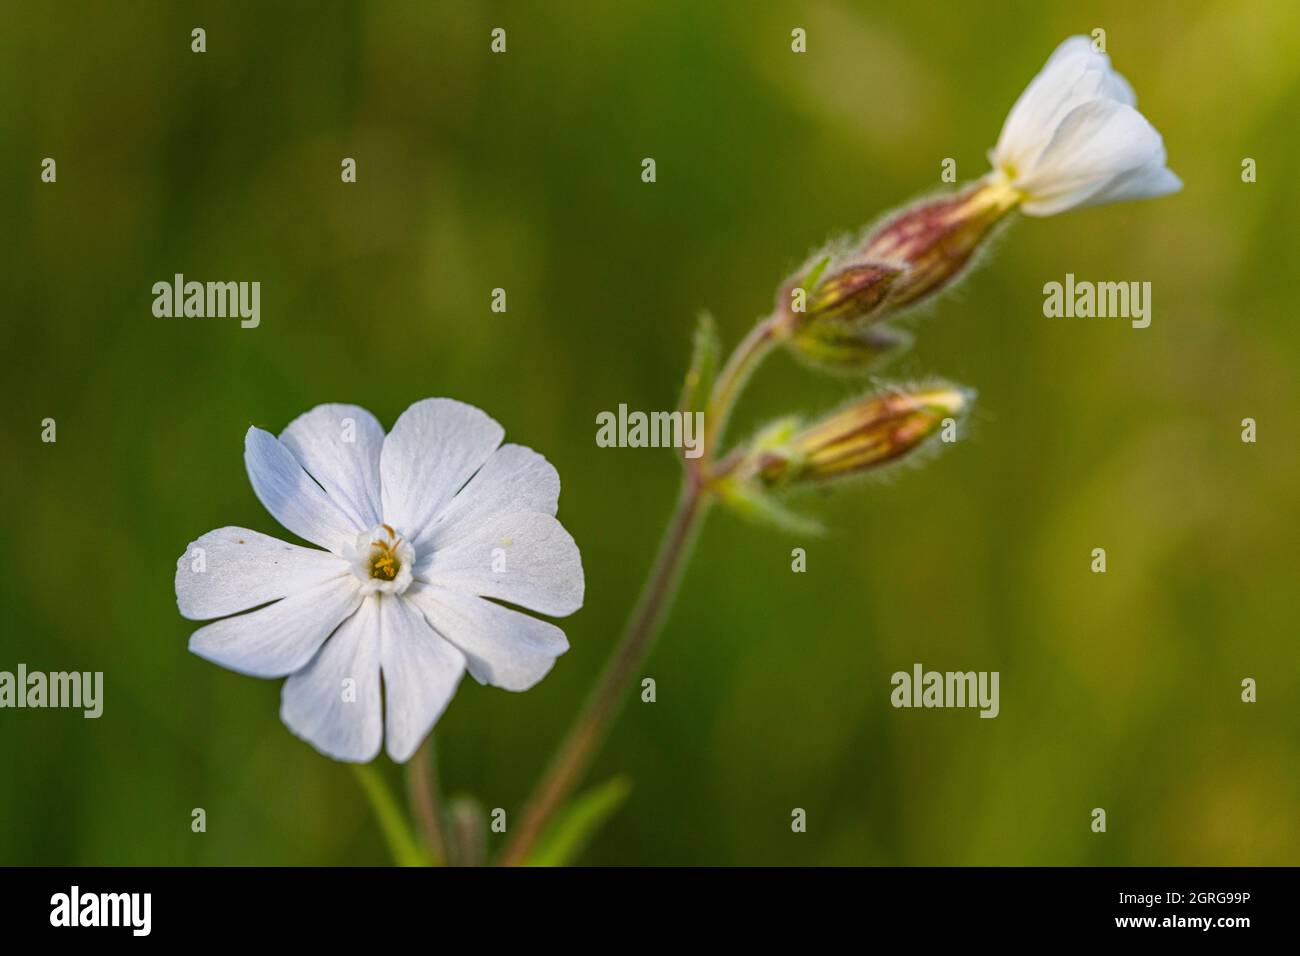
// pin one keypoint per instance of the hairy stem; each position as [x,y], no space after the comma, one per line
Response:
[578,749]
[588,731]
[734,377]
[422,794]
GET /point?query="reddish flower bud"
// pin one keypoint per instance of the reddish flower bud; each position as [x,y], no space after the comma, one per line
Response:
[935,240]
[863,435]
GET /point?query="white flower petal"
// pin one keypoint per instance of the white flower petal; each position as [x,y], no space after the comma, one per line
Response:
[502,647]
[435,447]
[1119,89]
[1029,120]
[1073,74]
[440,471]
[233,569]
[339,446]
[1146,182]
[421,671]
[335,702]
[1096,144]
[514,477]
[282,637]
[524,557]
[292,497]
[1075,138]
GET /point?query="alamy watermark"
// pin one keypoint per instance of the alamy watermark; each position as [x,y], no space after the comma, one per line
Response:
[626,429]
[922,688]
[75,908]
[210,300]
[36,689]
[1101,300]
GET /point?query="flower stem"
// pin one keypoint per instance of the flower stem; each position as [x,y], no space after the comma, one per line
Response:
[588,731]
[734,376]
[422,793]
[401,842]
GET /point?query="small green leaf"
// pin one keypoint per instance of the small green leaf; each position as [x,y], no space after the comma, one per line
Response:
[750,501]
[775,434]
[815,273]
[704,365]
[571,831]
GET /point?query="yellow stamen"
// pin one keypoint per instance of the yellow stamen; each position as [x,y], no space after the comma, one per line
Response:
[383,562]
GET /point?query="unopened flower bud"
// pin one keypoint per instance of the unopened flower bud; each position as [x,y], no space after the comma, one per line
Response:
[861,436]
[839,347]
[911,255]
[1074,138]
[933,241]
[849,293]
[833,303]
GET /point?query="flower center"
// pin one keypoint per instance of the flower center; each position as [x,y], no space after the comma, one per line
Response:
[384,563]
[382,560]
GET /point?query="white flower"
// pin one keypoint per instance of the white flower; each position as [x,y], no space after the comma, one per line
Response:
[1074,138]
[420,528]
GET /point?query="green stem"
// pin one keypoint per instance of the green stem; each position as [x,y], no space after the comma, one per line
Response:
[588,731]
[397,833]
[578,749]
[735,376]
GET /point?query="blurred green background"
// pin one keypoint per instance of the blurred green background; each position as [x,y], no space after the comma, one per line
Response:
[523,171]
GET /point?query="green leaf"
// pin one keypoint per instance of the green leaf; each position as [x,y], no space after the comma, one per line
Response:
[749,501]
[706,351]
[775,434]
[814,274]
[575,825]
[846,348]
[403,845]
